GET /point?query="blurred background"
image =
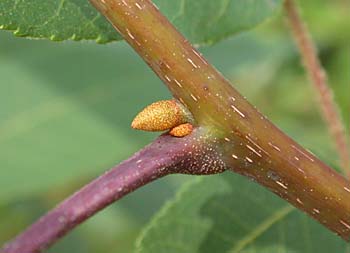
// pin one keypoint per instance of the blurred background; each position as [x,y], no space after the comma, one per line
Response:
[66,108]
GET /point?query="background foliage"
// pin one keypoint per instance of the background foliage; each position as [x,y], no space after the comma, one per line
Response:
[211,215]
[66,109]
[202,22]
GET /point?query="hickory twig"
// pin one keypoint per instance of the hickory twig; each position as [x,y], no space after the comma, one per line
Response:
[229,134]
[249,143]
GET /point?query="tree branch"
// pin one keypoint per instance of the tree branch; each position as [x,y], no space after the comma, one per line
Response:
[250,144]
[164,156]
[230,134]
[318,78]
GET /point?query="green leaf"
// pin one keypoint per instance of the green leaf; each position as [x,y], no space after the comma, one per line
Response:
[227,213]
[202,22]
[55,20]
[66,110]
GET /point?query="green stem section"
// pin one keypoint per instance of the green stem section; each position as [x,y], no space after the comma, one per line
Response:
[251,144]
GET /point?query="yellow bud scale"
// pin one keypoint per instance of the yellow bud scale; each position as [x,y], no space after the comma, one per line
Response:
[164,115]
[181,130]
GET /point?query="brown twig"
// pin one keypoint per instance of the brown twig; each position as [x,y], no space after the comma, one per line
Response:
[318,77]
[251,145]
[235,136]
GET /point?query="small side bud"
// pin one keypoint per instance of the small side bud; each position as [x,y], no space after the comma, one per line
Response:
[181,130]
[160,116]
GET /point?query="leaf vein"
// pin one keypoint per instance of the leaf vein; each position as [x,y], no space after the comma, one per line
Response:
[261,228]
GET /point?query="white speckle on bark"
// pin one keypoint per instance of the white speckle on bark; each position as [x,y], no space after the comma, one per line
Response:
[129,34]
[138,6]
[253,150]
[303,153]
[275,147]
[178,83]
[167,78]
[248,159]
[238,111]
[300,202]
[302,171]
[281,184]
[345,224]
[192,63]
[194,97]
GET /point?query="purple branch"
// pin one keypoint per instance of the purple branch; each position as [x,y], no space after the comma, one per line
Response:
[154,161]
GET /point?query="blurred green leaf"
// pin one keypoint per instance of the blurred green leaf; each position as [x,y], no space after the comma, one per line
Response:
[227,214]
[55,20]
[66,111]
[202,22]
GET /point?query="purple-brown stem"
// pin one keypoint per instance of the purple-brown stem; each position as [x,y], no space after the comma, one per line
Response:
[164,156]
[318,77]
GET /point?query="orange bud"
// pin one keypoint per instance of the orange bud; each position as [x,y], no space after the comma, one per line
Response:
[160,116]
[181,130]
